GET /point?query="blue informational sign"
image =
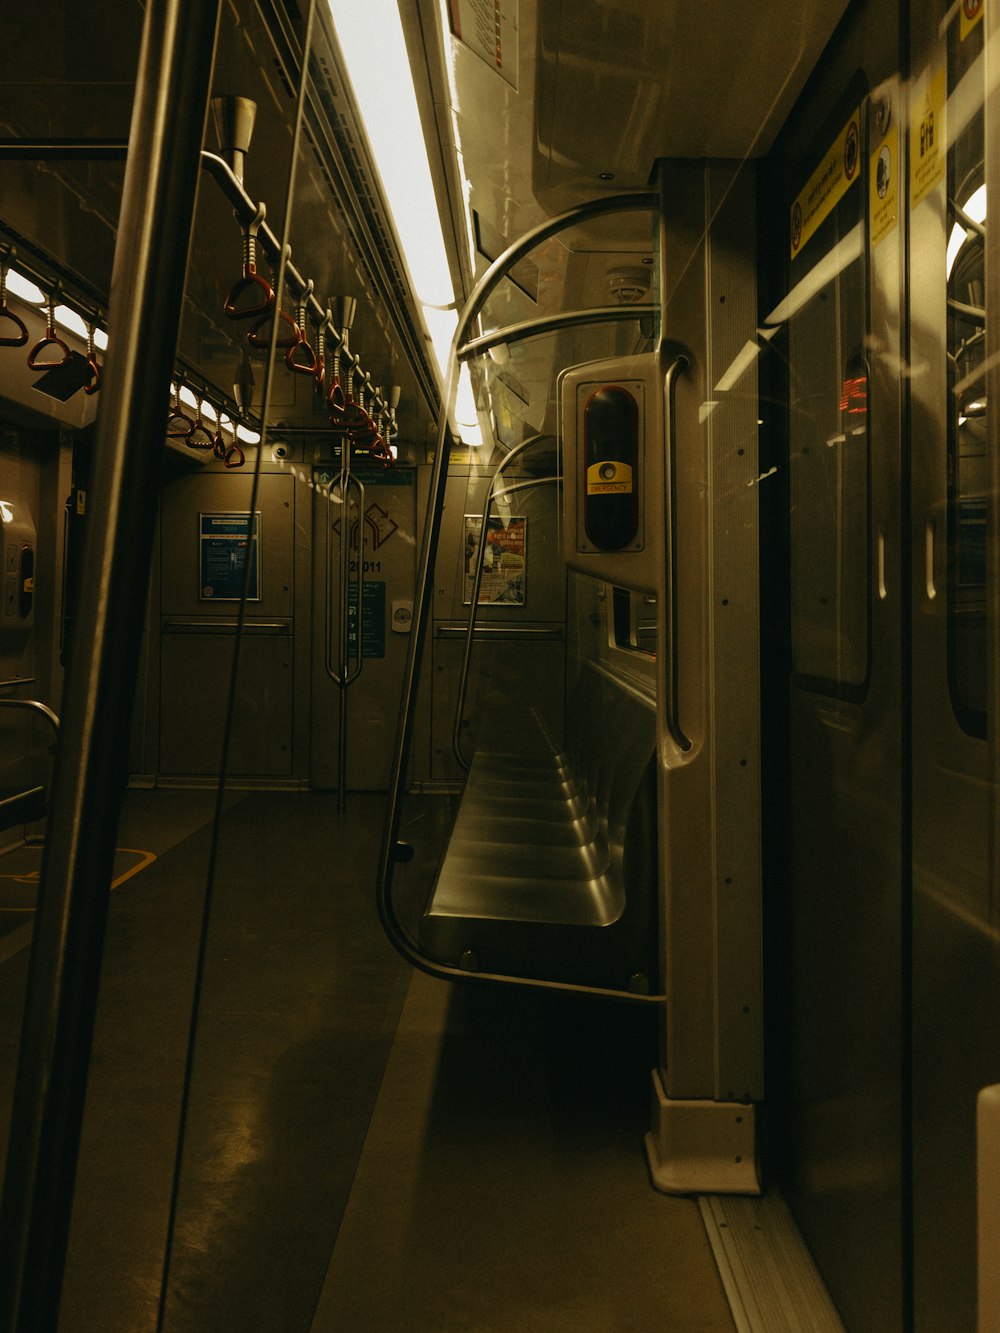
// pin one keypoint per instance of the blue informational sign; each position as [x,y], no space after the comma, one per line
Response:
[222,564]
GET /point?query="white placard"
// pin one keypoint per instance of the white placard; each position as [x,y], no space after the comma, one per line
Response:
[489,28]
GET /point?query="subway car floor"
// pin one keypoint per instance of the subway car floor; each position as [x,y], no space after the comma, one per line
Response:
[367,1149]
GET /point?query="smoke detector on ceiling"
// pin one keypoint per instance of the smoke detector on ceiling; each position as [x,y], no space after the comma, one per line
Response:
[628,284]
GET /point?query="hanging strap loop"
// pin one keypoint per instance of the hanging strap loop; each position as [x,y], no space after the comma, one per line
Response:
[19,336]
[92,383]
[251,295]
[50,351]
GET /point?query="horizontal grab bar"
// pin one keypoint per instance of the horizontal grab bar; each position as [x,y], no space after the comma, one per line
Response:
[274,628]
[499,632]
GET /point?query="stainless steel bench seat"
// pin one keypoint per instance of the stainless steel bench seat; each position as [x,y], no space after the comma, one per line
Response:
[550,869]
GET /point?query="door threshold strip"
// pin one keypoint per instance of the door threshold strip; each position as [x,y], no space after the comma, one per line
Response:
[770,1278]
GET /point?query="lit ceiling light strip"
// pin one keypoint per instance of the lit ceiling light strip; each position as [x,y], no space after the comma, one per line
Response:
[383,87]
[382,83]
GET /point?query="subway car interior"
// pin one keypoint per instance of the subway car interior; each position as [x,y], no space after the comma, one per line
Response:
[499,667]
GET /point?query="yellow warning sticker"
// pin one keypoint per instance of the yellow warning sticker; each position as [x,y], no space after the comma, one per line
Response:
[970,14]
[609,478]
[927,137]
[828,184]
[883,187]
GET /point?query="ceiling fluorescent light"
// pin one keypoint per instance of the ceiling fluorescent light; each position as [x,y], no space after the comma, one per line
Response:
[23,288]
[371,38]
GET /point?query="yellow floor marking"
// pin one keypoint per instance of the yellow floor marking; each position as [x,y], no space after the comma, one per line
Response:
[148,859]
[32,876]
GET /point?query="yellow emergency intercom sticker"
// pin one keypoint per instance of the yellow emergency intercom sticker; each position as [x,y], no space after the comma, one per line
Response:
[883,187]
[971,12]
[609,478]
[927,136]
[828,184]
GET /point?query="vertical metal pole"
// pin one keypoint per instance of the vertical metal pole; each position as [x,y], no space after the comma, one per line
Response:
[344,608]
[154,231]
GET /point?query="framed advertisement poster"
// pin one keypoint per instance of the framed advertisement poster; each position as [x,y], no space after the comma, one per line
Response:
[505,560]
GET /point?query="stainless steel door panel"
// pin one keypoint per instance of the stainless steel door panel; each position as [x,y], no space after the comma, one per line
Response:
[387,545]
[841,1141]
[193,710]
[198,631]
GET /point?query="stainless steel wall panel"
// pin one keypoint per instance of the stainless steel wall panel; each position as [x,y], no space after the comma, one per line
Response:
[711,874]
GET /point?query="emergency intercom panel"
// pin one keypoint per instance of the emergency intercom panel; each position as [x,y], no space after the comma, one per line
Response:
[17,535]
[610,423]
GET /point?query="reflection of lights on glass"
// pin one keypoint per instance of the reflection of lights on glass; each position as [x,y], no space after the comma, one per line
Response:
[466,414]
[742,362]
[6,511]
[975,208]
[246,435]
[854,395]
[844,253]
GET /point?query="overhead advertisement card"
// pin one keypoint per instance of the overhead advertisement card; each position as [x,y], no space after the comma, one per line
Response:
[488,28]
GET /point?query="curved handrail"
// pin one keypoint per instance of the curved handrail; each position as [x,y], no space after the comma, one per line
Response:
[567,319]
[477,581]
[43,710]
[36,706]
[392,850]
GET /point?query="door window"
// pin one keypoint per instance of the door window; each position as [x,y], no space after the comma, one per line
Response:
[829,435]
